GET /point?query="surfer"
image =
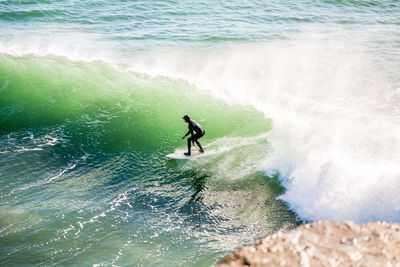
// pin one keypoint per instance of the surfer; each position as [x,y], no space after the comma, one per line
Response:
[193,126]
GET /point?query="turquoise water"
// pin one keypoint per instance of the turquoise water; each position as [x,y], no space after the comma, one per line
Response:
[299,100]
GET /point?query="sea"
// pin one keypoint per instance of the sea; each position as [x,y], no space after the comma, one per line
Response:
[300,101]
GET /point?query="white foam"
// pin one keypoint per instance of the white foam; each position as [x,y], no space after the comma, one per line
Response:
[75,45]
[336,125]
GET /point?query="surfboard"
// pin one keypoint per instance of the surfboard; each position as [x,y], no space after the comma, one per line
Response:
[178,154]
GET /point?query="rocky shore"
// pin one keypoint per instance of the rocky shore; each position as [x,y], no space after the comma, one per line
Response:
[324,243]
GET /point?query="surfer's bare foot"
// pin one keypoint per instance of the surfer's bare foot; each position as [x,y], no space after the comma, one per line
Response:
[186,154]
[201,151]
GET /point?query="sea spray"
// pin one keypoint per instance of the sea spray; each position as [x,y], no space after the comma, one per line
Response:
[334,139]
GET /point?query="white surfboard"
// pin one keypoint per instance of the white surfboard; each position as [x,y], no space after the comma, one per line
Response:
[178,154]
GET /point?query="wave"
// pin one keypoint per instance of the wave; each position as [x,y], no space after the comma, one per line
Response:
[100,107]
[335,119]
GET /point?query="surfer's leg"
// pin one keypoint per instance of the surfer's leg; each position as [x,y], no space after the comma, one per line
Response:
[189,144]
[197,137]
[201,149]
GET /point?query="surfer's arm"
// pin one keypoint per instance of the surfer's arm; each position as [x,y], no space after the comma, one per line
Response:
[183,137]
[189,132]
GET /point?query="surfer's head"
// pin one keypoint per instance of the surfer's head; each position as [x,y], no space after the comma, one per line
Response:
[186,118]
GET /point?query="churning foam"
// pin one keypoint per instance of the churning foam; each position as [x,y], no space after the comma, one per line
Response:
[336,124]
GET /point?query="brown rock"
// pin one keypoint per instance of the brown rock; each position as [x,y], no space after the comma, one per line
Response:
[324,244]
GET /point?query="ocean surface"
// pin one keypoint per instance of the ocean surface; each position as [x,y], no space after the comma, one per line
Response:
[299,99]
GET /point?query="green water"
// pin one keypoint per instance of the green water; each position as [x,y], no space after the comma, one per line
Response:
[86,180]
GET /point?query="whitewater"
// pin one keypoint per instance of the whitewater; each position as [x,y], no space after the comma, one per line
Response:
[300,101]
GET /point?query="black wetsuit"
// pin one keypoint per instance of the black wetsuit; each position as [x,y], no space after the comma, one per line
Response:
[199,132]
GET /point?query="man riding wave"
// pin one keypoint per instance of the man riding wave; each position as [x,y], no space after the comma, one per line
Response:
[193,126]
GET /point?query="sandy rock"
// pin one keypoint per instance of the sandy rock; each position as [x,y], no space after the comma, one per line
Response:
[324,244]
